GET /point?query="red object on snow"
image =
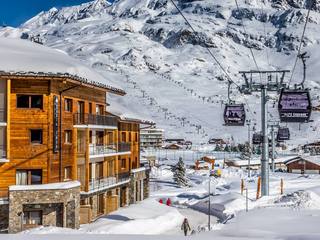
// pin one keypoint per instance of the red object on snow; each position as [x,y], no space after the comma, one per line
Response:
[168,202]
[160,201]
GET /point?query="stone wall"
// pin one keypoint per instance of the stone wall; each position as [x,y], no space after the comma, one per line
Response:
[139,182]
[4,217]
[52,202]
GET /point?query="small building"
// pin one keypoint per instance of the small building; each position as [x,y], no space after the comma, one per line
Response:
[304,165]
[151,137]
[179,141]
[218,141]
[173,146]
[255,163]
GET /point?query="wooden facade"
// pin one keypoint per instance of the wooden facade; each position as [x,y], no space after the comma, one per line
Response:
[96,146]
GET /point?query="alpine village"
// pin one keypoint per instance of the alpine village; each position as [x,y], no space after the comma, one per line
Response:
[159,119]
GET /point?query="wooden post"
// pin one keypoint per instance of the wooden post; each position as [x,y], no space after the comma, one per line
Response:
[242,186]
[281,186]
[258,188]
[197,165]
[74,154]
[87,160]
[8,118]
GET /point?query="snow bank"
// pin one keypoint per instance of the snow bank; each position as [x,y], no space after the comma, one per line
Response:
[147,217]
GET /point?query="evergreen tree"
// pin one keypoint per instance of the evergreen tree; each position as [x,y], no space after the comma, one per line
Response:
[227,148]
[179,173]
[217,148]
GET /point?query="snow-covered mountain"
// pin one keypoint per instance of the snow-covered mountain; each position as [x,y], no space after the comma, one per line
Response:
[147,47]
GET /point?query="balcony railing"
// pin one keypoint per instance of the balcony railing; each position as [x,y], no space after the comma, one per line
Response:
[2,115]
[108,149]
[105,182]
[3,151]
[86,119]
[124,147]
[105,149]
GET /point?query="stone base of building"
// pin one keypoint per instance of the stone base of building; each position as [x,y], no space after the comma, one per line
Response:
[47,205]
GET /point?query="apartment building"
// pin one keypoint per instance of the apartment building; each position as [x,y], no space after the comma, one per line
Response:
[64,159]
[151,137]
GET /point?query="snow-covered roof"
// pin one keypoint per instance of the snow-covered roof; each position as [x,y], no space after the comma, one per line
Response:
[22,57]
[312,159]
[49,186]
[256,161]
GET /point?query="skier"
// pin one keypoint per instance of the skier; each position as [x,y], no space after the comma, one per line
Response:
[185,226]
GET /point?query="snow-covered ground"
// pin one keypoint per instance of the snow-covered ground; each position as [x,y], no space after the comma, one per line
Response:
[146,48]
[269,217]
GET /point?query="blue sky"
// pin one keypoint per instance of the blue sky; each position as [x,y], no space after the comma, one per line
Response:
[16,12]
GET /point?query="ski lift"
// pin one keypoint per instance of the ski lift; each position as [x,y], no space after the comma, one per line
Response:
[295,104]
[234,114]
[257,138]
[283,134]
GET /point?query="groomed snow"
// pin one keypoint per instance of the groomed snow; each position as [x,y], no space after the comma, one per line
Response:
[50,186]
[25,56]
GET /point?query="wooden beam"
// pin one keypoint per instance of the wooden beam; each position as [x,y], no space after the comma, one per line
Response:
[74,154]
[87,160]
[8,118]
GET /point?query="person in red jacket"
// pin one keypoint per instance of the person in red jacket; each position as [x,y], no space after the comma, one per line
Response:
[168,202]
[160,201]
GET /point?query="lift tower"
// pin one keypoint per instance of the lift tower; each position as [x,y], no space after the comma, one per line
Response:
[263,82]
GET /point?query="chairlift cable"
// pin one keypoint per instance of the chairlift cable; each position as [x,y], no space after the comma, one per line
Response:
[245,31]
[208,49]
[211,54]
[301,41]
[264,31]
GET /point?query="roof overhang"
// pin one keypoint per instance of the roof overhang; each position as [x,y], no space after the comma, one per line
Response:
[62,77]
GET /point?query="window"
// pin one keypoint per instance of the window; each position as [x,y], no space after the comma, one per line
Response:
[123,137]
[68,105]
[123,163]
[32,218]
[36,136]
[68,136]
[90,137]
[29,101]
[136,137]
[99,138]
[99,109]
[29,177]
[67,173]
[90,108]
[130,138]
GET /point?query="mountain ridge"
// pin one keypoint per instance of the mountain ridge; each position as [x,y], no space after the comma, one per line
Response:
[164,67]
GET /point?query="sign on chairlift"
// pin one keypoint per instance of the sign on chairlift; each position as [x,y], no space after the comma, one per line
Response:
[234,115]
[294,106]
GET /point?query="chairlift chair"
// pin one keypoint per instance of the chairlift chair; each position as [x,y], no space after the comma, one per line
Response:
[257,138]
[283,134]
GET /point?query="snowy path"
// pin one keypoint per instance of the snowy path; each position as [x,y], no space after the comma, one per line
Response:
[196,219]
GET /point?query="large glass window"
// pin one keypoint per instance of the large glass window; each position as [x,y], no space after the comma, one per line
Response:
[29,101]
[68,105]
[32,218]
[29,177]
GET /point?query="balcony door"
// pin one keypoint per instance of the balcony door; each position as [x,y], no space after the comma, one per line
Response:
[80,112]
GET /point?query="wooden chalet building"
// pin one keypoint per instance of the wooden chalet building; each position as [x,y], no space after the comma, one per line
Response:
[304,164]
[65,159]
